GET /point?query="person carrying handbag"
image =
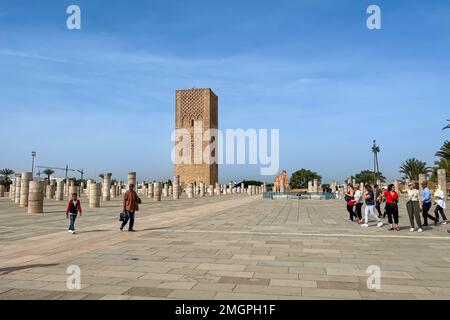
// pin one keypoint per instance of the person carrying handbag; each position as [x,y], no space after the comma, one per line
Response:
[131,203]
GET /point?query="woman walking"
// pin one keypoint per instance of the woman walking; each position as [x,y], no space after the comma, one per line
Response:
[349,198]
[370,207]
[413,206]
[377,191]
[358,203]
[439,197]
[391,197]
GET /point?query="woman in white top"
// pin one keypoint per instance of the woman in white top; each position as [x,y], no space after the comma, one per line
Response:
[439,197]
[413,206]
[358,203]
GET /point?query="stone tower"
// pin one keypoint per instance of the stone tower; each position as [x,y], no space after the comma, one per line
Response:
[199,108]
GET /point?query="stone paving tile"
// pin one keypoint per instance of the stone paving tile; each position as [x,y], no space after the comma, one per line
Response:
[192,295]
[251,281]
[293,283]
[223,267]
[269,290]
[148,292]
[22,294]
[183,285]
[227,287]
[105,289]
[162,276]
[331,293]
[115,297]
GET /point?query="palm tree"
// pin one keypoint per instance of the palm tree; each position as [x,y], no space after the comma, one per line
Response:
[6,173]
[413,167]
[444,151]
[447,126]
[48,172]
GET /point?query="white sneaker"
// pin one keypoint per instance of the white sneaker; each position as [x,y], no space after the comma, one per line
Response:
[70,231]
[444,222]
[420,230]
[365,225]
[411,230]
[380,224]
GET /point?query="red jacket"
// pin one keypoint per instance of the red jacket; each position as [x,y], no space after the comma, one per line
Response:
[70,203]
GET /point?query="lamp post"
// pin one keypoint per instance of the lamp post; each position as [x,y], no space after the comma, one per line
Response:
[33,155]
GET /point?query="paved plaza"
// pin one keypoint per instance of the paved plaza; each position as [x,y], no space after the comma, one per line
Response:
[224,247]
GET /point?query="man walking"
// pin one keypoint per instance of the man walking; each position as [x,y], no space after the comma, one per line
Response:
[426,204]
[73,208]
[130,206]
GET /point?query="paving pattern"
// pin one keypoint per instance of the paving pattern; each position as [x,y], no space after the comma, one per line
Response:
[227,247]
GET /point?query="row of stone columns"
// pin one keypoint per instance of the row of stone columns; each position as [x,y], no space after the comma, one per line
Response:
[313,186]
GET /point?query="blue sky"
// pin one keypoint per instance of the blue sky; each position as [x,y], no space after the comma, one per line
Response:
[102,98]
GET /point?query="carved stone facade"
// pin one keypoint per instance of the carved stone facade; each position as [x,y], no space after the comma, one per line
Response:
[197,108]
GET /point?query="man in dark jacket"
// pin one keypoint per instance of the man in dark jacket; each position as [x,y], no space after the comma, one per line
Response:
[130,206]
[73,208]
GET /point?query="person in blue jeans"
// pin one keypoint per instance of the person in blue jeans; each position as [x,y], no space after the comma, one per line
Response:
[73,208]
[426,204]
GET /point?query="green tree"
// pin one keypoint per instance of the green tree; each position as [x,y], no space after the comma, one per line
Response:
[412,168]
[250,183]
[444,151]
[6,173]
[48,173]
[300,178]
[366,176]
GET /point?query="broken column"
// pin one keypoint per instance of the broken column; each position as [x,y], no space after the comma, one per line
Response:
[59,190]
[202,189]
[26,177]
[114,190]
[106,190]
[94,195]
[315,185]
[12,190]
[442,180]
[50,191]
[176,187]
[211,190]
[35,197]
[2,191]
[151,190]
[132,180]
[157,191]
[166,190]
[18,185]
[190,190]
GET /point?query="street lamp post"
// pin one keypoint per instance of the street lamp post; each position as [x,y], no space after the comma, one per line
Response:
[33,155]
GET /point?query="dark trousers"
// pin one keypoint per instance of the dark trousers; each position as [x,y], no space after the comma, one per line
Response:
[72,218]
[378,207]
[392,212]
[129,217]
[440,210]
[358,210]
[351,212]
[425,209]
